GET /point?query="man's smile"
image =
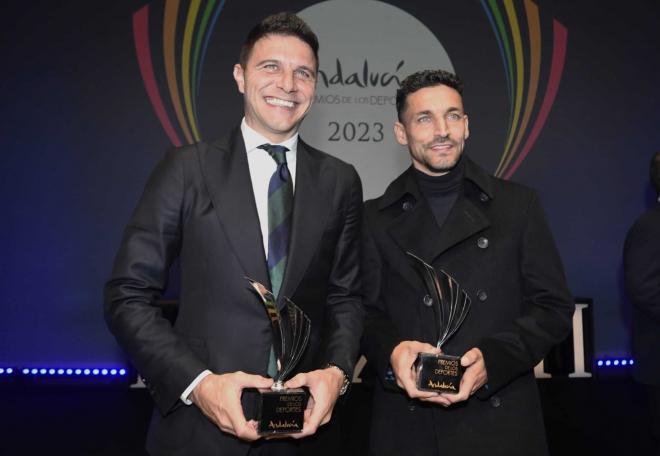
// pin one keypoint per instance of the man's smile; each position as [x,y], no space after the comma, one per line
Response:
[279,102]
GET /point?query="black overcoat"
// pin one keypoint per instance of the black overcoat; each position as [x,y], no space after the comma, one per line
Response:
[641,257]
[496,243]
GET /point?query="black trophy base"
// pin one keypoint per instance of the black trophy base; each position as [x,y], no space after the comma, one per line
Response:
[282,412]
[438,373]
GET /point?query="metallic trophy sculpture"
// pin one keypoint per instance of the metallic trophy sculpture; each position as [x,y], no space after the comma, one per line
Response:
[451,304]
[281,410]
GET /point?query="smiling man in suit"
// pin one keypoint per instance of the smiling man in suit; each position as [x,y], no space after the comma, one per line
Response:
[259,203]
[491,236]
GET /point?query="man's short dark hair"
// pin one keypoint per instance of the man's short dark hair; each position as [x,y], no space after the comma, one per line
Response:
[655,172]
[422,79]
[286,24]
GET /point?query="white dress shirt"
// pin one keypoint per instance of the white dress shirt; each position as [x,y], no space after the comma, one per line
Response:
[262,166]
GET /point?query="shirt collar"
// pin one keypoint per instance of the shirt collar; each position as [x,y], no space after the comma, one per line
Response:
[253,139]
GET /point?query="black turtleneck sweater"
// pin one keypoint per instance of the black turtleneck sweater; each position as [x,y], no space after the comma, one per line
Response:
[441,192]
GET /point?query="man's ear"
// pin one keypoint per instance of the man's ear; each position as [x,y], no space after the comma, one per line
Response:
[239,77]
[467,127]
[400,133]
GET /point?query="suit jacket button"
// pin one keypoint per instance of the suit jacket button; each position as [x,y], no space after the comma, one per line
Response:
[482,295]
[428,300]
[482,243]
[411,406]
[483,197]
[407,205]
[495,401]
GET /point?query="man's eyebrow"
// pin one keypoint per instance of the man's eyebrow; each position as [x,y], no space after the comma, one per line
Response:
[263,62]
[306,68]
[423,113]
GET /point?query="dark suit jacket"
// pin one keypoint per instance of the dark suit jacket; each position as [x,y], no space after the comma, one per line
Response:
[495,242]
[642,276]
[198,205]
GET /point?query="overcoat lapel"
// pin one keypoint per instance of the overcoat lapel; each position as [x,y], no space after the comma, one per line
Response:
[463,221]
[312,204]
[227,175]
[417,231]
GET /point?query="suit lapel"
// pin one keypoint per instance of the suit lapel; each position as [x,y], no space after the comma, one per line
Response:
[227,177]
[311,206]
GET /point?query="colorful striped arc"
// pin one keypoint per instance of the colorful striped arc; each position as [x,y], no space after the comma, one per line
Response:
[182,81]
[522,89]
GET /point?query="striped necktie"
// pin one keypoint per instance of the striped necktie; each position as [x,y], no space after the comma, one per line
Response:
[280,208]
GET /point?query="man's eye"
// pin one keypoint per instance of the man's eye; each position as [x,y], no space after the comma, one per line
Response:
[423,119]
[453,117]
[270,66]
[304,74]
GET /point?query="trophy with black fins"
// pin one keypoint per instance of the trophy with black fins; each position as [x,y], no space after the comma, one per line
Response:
[451,304]
[281,409]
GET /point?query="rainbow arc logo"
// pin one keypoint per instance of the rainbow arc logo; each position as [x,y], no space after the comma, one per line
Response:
[518,32]
[182,71]
[521,56]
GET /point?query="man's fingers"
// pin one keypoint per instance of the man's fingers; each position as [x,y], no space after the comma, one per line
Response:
[253,381]
[423,347]
[297,381]
[247,432]
[470,357]
[437,399]
[233,412]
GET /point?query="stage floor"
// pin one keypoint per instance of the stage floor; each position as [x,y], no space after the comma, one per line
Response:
[583,417]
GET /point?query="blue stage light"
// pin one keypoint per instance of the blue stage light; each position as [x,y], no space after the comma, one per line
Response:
[2,371]
[600,362]
[632,362]
[61,371]
[624,362]
[608,362]
[616,362]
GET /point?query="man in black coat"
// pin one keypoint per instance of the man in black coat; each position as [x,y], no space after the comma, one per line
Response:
[642,276]
[214,205]
[492,237]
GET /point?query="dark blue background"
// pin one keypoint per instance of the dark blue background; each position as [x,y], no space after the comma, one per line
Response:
[79,138]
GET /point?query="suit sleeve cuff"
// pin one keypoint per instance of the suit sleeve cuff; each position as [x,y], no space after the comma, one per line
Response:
[193,384]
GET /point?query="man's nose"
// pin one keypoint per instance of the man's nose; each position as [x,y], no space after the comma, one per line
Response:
[287,81]
[441,128]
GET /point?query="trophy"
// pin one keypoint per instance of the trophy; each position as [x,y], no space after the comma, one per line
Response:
[281,410]
[451,304]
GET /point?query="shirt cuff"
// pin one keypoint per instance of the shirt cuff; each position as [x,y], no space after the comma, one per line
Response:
[193,384]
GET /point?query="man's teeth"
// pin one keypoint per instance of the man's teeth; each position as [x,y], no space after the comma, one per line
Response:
[278,102]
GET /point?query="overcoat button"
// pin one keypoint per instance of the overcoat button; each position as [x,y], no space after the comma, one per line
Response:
[482,242]
[483,197]
[428,300]
[482,295]
[407,205]
[411,407]
[495,401]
